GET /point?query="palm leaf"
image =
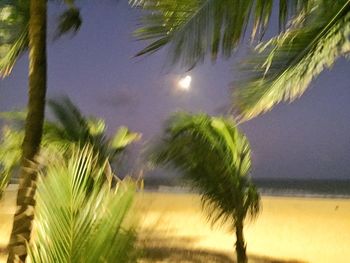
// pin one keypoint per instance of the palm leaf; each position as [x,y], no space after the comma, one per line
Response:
[14,19]
[69,118]
[69,21]
[282,69]
[10,154]
[73,224]
[123,137]
[14,29]
[74,127]
[195,28]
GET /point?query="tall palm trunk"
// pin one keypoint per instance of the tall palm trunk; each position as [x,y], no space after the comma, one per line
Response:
[240,244]
[22,225]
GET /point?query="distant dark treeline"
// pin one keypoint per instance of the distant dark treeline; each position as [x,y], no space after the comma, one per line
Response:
[273,186]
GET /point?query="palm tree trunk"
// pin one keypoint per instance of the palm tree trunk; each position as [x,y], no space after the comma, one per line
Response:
[240,244]
[24,215]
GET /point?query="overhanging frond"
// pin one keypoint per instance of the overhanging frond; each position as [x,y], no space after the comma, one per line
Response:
[282,69]
[196,28]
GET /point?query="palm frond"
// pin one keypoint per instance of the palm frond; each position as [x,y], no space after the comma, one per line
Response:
[14,20]
[195,28]
[69,21]
[10,154]
[96,126]
[283,68]
[214,156]
[14,30]
[70,119]
[123,137]
[75,225]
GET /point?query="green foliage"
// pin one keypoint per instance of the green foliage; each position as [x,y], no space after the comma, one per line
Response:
[14,19]
[14,29]
[315,33]
[75,222]
[69,21]
[214,156]
[123,137]
[72,126]
[282,68]
[10,154]
[195,28]
[69,127]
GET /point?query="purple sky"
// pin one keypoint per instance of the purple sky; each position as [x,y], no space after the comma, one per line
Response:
[309,138]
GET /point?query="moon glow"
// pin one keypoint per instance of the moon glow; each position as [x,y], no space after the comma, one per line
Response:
[185,83]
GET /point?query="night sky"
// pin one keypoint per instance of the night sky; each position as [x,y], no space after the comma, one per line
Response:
[309,138]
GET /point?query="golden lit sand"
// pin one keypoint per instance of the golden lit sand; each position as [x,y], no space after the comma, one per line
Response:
[305,229]
[7,209]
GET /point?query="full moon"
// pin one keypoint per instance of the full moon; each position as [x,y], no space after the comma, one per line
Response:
[185,83]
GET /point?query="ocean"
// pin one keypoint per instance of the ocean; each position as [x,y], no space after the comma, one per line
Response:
[327,188]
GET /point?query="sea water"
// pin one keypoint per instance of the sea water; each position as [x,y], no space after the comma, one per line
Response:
[329,188]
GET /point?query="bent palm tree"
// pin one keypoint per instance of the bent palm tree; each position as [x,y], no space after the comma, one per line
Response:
[215,157]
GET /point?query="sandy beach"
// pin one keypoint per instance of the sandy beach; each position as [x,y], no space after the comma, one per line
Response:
[311,230]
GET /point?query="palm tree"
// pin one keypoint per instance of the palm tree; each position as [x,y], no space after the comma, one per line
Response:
[214,156]
[21,229]
[314,34]
[68,127]
[23,26]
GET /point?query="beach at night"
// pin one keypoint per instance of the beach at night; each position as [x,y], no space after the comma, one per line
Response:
[190,131]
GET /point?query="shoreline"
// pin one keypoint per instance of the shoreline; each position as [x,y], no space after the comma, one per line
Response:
[186,190]
[176,190]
